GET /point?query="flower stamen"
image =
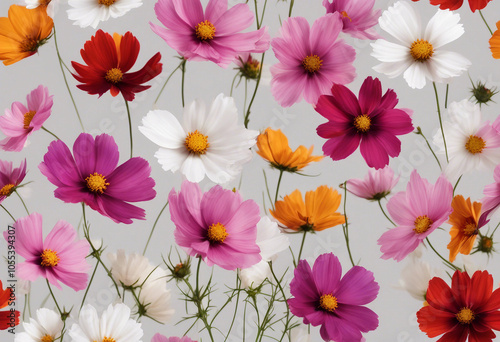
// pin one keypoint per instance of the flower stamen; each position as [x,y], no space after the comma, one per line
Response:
[344,15]
[96,183]
[312,63]
[362,123]
[49,258]
[421,50]
[470,228]
[465,316]
[422,224]
[475,144]
[197,142]
[328,303]
[205,30]
[29,45]
[106,2]
[217,233]
[47,338]
[7,189]
[27,118]
[114,76]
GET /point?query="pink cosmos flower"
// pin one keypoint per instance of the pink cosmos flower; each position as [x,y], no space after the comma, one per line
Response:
[418,211]
[358,17]
[376,185]
[92,177]
[217,225]
[60,258]
[10,178]
[160,338]
[311,60]
[323,297]
[214,35]
[20,121]
[371,122]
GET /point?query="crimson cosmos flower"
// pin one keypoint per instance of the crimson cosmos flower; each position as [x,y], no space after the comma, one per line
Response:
[456,4]
[109,58]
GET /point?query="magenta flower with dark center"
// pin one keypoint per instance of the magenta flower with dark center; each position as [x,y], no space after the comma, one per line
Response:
[10,178]
[323,297]
[371,122]
[92,176]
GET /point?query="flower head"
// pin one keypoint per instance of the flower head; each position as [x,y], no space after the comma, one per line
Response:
[92,176]
[369,121]
[154,301]
[21,121]
[216,226]
[23,32]
[469,309]
[415,278]
[248,66]
[91,12]
[495,42]
[481,94]
[456,4]
[358,17]
[318,212]
[273,146]
[211,35]
[208,143]
[311,59]
[323,297]
[376,185]
[10,178]
[108,59]
[418,54]
[160,338]
[418,211]
[133,270]
[47,327]
[58,258]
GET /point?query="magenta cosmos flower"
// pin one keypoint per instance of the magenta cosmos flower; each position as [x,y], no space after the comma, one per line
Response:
[418,211]
[60,258]
[92,177]
[161,338]
[371,122]
[376,185]
[20,121]
[358,17]
[10,178]
[323,297]
[211,36]
[311,60]
[216,226]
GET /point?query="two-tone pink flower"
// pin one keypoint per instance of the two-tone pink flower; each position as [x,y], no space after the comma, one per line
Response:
[10,178]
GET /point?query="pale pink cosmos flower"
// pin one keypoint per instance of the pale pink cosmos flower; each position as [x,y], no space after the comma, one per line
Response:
[160,338]
[376,185]
[10,178]
[20,121]
[358,17]
[60,258]
[418,211]
[211,35]
[311,59]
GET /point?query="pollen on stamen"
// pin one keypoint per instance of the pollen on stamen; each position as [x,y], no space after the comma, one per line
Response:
[96,183]
[465,316]
[106,2]
[217,233]
[470,228]
[328,303]
[345,15]
[27,118]
[47,338]
[49,258]
[362,123]
[114,76]
[312,63]
[7,189]
[197,143]
[475,144]
[205,30]
[421,50]
[422,224]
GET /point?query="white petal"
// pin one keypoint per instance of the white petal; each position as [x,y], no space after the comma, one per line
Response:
[162,128]
[193,168]
[222,115]
[416,74]
[386,51]
[171,159]
[392,70]
[50,321]
[194,116]
[446,64]
[443,28]
[402,22]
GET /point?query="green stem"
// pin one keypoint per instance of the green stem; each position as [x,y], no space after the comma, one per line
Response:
[66,81]
[247,115]
[256,14]
[291,7]
[201,312]
[232,84]
[267,189]
[301,246]
[446,96]
[278,187]
[486,23]
[12,217]
[456,184]
[22,201]
[46,130]
[129,128]
[238,286]
[246,96]
[345,227]
[88,286]
[24,307]
[183,69]
[440,120]
[165,84]
[262,15]
[54,298]
[383,212]
[419,131]
[449,264]
[153,229]
[284,299]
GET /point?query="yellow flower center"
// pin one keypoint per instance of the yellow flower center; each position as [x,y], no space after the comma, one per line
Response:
[47,338]
[7,189]
[421,50]
[328,303]
[27,118]
[362,123]
[49,258]
[470,228]
[107,339]
[487,242]
[422,223]
[29,44]
[205,30]
[217,233]
[106,2]
[312,63]
[344,15]
[465,316]
[475,144]
[114,76]
[96,182]
[197,142]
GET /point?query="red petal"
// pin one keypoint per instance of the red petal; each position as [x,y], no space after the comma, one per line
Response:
[460,286]
[129,50]
[481,287]
[440,297]
[435,322]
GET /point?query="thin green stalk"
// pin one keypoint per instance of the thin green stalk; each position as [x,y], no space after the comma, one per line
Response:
[291,7]
[153,229]
[66,81]
[262,15]
[22,201]
[129,128]
[238,286]
[345,227]
[440,120]
[46,130]
[446,96]
[302,246]
[183,69]
[25,306]
[8,212]
[232,84]
[278,187]
[165,84]
[246,95]
[486,23]
[449,264]
[419,131]
[383,212]
[494,230]
[247,115]
[88,286]
[256,14]
[54,298]
[267,189]
[456,184]
[284,299]
[199,304]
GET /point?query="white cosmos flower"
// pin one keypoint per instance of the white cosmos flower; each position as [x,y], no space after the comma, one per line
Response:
[415,278]
[114,325]
[46,327]
[134,269]
[155,299]
[51,5]
[91,12]
[471,144]
[210,143]
[418,54]
[271,241]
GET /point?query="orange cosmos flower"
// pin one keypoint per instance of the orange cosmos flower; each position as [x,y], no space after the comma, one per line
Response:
[465,224]
[319,211]
[23,32]
[273,146]
[495,42]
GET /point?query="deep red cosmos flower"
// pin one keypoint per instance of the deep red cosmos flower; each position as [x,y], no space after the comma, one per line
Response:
[109,58]
[456,4]
[468,309]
